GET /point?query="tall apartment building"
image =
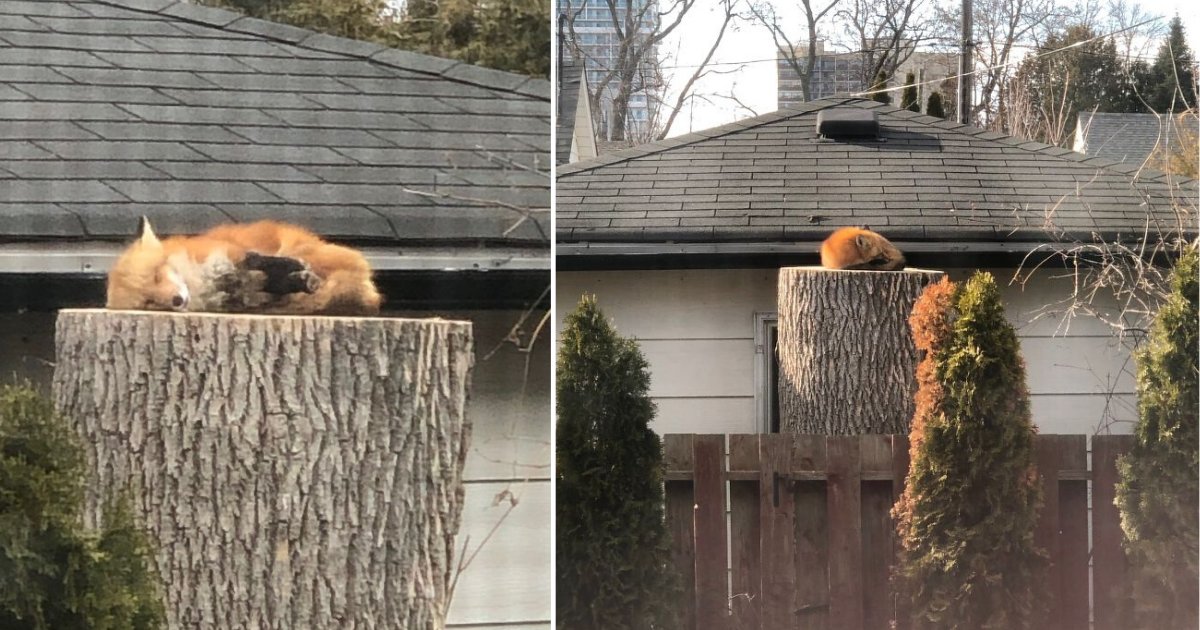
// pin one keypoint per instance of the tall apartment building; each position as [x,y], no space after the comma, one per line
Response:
[838,73]
[597,39]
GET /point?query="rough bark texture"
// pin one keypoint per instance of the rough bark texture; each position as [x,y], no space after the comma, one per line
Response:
[847,363]
[296,472]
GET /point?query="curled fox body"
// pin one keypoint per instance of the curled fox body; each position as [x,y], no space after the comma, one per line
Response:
[263,267]
[858,248]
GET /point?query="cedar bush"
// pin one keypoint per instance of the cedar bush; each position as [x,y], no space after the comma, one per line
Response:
[881,83]
[54,575]
[969,508]
[934,107]
[909,98]
[1158,485]
[613,557]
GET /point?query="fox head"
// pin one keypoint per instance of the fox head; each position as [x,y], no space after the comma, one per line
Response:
[878,252]
[143,279]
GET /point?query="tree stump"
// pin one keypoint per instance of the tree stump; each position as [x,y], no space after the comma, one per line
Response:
[295,472]
[847,363]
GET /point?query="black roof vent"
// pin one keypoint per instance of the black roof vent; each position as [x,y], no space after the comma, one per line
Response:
[847,122]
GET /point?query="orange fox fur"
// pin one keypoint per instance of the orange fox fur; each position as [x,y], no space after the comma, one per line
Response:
[858,248]
[206,273]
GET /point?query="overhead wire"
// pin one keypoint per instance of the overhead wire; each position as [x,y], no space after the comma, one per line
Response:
[1008,63]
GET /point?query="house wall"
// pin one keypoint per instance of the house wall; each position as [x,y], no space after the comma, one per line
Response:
[507,585]
[696,329]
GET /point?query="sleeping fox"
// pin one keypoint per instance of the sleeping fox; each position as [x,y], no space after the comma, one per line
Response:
[858,248]
[263,267]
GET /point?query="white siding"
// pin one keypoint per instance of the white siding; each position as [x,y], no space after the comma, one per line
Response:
[507,586]
[696,329]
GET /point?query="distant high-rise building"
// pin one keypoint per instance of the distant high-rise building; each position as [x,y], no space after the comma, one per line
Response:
[839,74]
[598,42]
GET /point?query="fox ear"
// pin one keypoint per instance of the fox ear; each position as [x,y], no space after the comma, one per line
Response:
[862,241]
[146,233]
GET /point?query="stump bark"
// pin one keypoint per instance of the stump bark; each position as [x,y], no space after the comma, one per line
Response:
[295,472]
[847,363]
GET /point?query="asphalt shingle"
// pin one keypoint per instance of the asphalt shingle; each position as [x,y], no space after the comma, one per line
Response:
[110,109]
[773,178]
[1130,138]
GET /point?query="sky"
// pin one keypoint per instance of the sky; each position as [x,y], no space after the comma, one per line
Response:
[754,82]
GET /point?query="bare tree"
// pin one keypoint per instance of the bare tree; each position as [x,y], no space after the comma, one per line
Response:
[686,95]
[1046,120]
[638,29]
[1134,31]
[887,32]
[801,63]
[1002,27]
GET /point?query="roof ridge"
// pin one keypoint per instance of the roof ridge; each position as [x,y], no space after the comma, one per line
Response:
[657,146]
[1140,172]
[450,69]
[1025,144]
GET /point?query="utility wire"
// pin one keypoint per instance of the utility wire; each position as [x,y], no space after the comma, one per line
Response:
[1010,63]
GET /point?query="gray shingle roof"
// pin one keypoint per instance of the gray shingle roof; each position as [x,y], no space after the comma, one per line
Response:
[772,179]
[110,109]
[1130,138]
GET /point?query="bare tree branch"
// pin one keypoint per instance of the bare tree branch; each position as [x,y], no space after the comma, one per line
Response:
[730,15]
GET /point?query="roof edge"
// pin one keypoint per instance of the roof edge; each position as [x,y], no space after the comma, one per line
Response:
[235,22]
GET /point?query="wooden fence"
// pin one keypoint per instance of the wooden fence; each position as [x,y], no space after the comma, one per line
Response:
[806,539]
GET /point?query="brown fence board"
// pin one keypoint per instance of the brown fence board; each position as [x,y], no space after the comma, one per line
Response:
[878,533]
[679,523]
[811,562]
[708,456]
[743,454]
[744,528]
[844,462]
[900,463]
[1109,580]
[777,535]
[1047,454]
[811,542]
[1073,551]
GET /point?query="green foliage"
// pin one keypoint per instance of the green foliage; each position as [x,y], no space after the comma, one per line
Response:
[1157,493]
[511,35]
[367,20]
[881,83]
[969,508]
[613,558]
[53,574]
[909,99]
[1088,76]
[934,107]
[1172,79]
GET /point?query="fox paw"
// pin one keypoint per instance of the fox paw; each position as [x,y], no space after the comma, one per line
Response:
[283,275]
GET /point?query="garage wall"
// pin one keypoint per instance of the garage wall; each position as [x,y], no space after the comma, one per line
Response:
[696,329]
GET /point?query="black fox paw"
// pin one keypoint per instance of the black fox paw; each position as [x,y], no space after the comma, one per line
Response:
[283,275]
